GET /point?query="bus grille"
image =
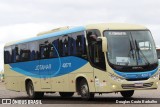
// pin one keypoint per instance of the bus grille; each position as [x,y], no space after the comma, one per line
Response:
[131,86]
[137,79]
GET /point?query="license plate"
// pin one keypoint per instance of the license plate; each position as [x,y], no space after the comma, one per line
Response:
[138,84]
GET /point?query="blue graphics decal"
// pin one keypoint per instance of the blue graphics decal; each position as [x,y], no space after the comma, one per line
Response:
[49,67]
[133,75]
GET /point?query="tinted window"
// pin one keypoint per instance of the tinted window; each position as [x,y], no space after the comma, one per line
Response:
[77,45]
[95,49]
[46,49]
[24,52]
[7,55]
[67,45]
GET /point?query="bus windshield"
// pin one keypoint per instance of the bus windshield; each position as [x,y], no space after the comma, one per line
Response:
[130,48]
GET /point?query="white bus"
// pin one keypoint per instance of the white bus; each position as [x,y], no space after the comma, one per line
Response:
[97,58]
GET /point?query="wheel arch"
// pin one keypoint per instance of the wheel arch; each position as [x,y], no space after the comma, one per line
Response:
[78,80]
[27,80]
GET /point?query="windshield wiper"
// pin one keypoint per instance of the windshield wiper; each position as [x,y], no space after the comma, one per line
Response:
[131,49]
[139,50]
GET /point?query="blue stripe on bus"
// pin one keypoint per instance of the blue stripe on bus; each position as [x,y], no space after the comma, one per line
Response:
[134,75]
[49,67]
[72,30]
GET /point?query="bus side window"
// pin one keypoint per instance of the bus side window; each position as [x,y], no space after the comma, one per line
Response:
[60,47]
[65,45]
[17,54]
[96,55]
[26,55]
[72,44]
[55,49]
[23,53]
[33,55]
[79,45]
[33,47]
[69,45]
[51,52]
[7,55]
[45,49]
[37,55]
[44,52]
[13,56]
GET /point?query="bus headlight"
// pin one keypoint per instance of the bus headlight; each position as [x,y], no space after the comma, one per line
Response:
[155,76]
[116,78]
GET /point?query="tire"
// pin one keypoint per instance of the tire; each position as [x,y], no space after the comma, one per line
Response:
[31,93]
[84,91]
[127,94]
[66,94]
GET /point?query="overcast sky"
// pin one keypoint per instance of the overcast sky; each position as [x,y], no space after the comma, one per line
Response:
[25,18]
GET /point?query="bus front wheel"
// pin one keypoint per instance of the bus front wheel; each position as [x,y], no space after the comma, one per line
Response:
[31,93]
[84,90]
[127,94]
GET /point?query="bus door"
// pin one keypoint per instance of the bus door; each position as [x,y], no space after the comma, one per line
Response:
[97,60]
[44,68]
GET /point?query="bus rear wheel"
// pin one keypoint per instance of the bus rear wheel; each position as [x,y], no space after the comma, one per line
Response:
[31,93]
[127,94]
[66,94]
[84,91]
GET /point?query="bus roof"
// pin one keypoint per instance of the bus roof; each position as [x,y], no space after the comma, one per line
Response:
[115,26]
[101,27]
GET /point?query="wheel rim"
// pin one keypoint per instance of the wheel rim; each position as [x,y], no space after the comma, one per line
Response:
[84,91]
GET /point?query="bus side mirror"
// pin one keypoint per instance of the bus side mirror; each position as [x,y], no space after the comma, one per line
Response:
[103,40]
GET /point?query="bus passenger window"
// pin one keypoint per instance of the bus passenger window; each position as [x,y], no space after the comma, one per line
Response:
[79,45]
[17,55]
[51,53]
[33,55]
[7,55]
[55,49]
[72,45]
[13,55]
[60,47]
[25,55]
[37,55]
[65,45]
[45,50]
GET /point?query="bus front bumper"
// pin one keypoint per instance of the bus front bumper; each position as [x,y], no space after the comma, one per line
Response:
[133,85]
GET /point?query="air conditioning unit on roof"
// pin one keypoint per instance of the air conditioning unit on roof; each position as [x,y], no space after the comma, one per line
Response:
[53,30]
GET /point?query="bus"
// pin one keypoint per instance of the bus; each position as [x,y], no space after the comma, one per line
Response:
[158,55]
[96,58]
